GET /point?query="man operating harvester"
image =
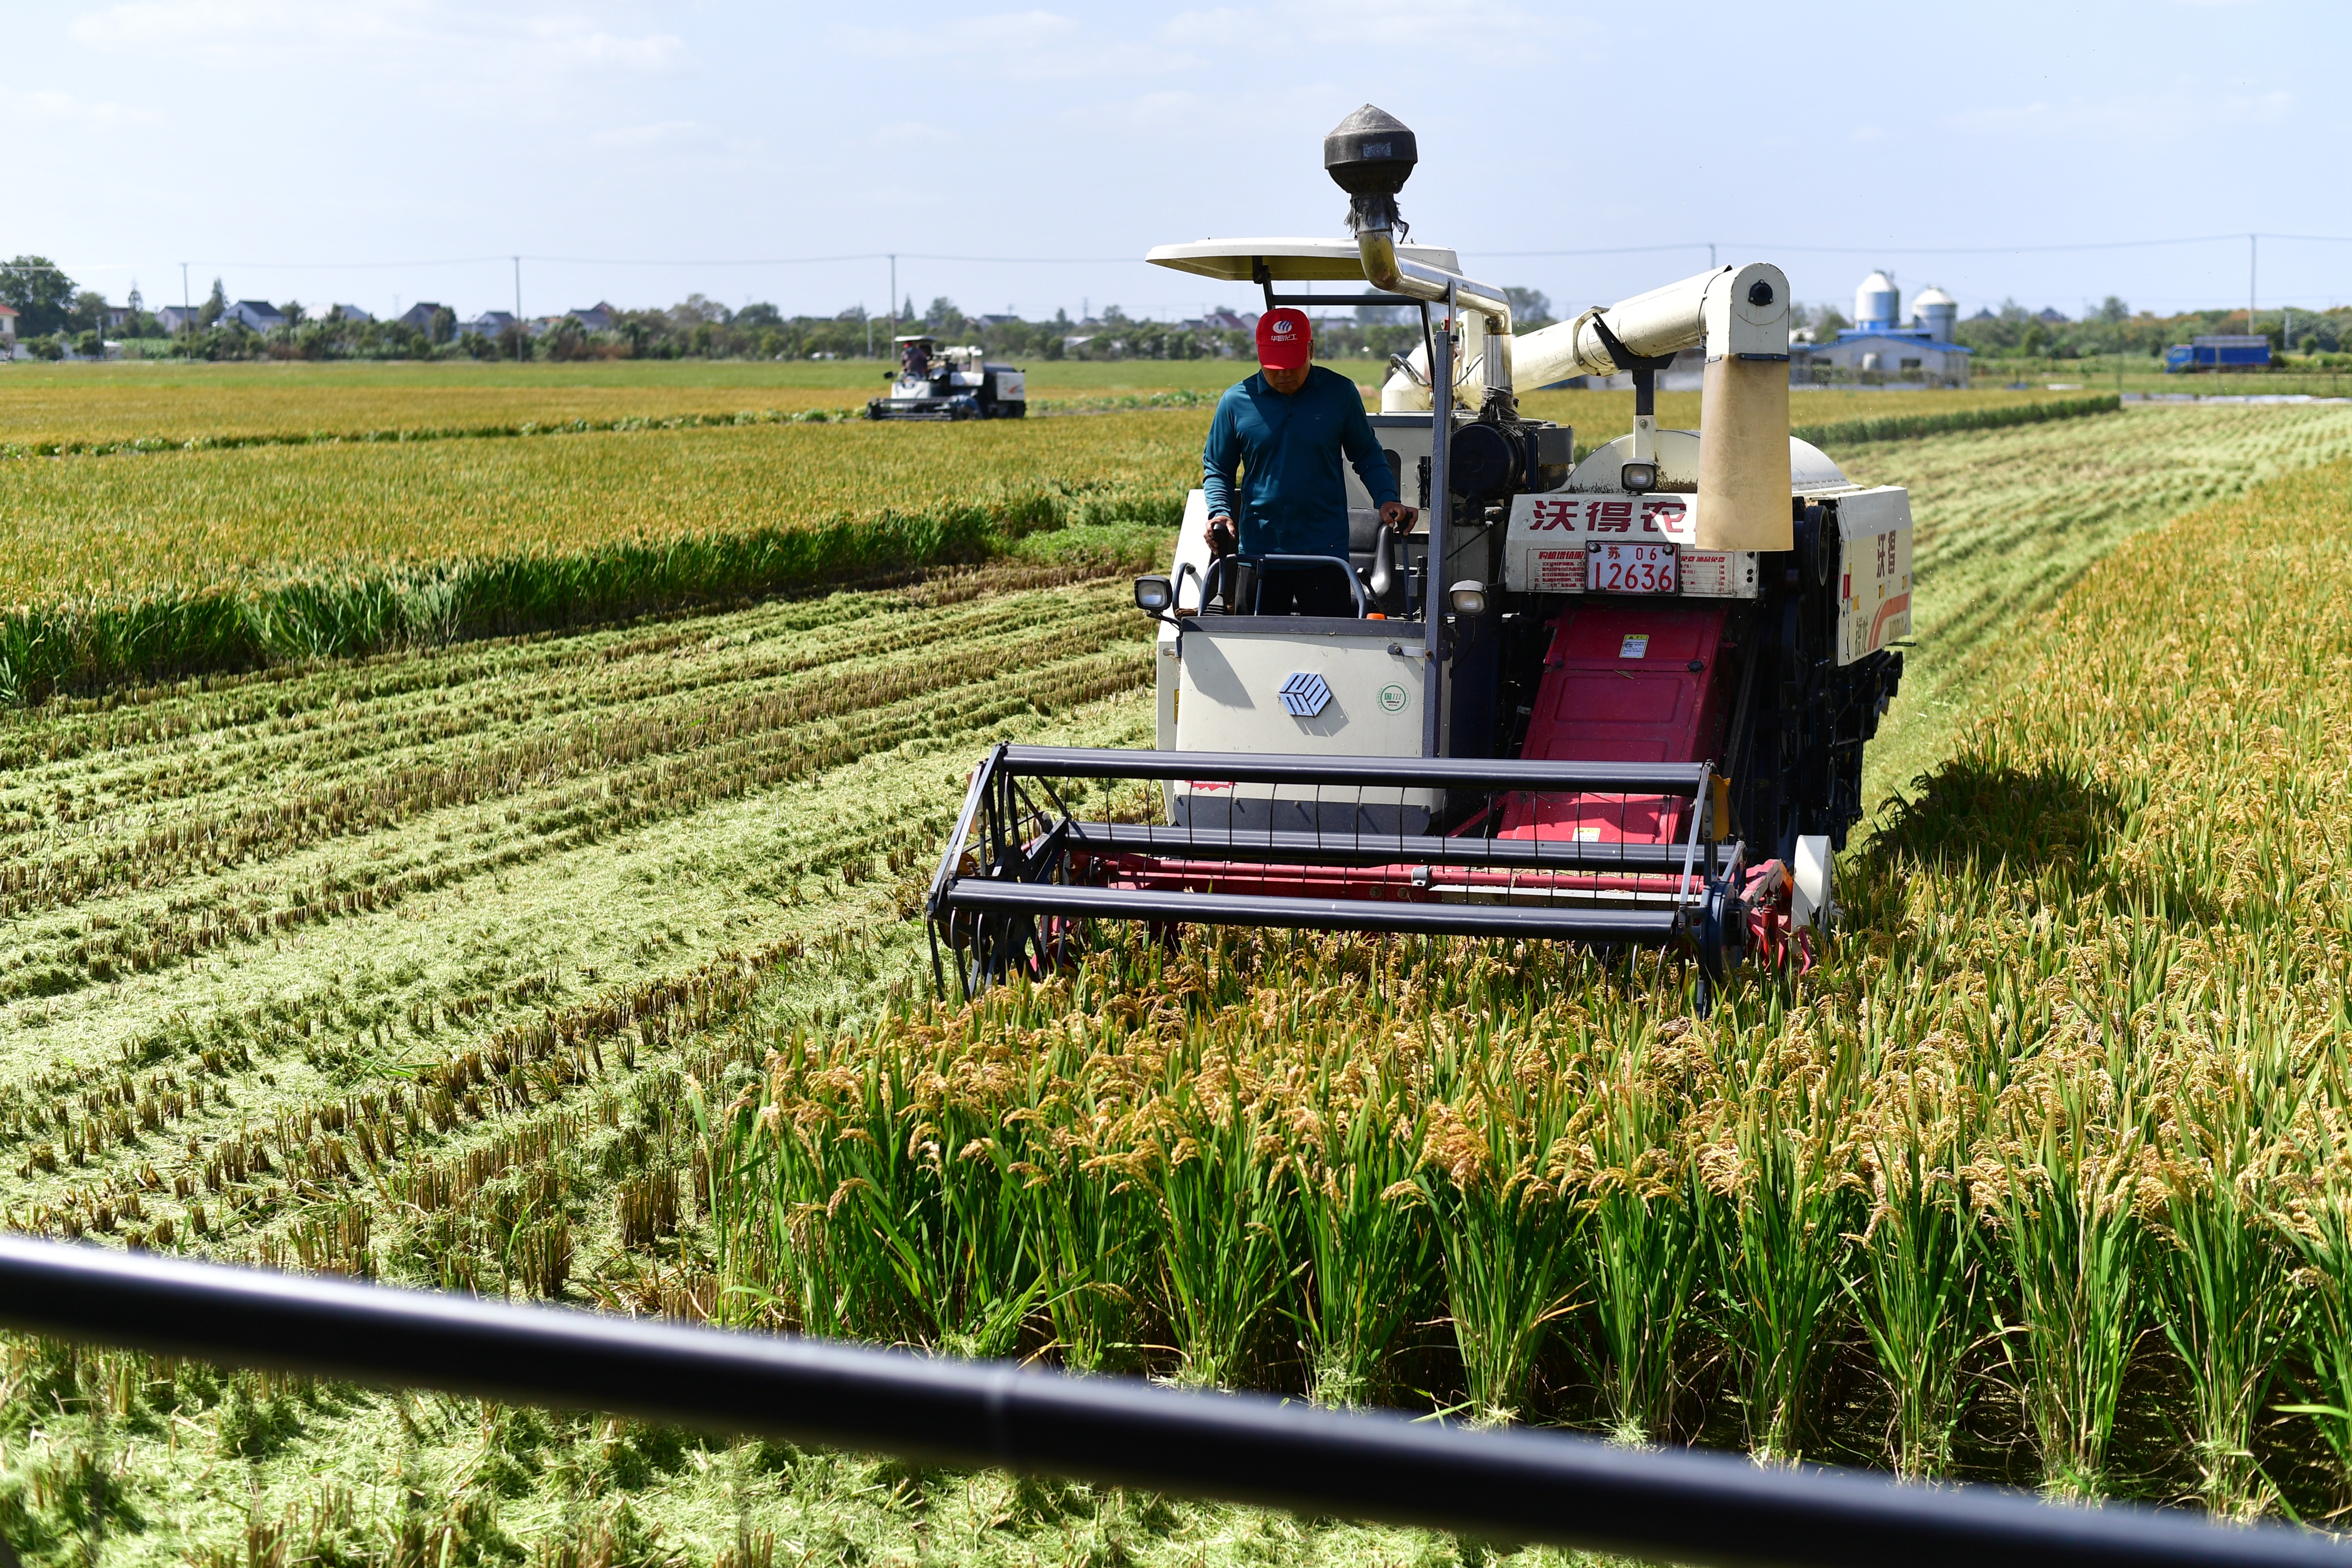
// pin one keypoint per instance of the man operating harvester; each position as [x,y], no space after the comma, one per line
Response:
[1271,467]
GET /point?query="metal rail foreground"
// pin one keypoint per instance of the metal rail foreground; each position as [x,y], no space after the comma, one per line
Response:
[1516,1486]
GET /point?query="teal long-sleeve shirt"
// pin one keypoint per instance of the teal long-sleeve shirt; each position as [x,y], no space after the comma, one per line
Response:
[1272,464]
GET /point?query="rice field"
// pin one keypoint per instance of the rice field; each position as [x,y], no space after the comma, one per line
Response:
[580,968]
[124,529]
[176,404]
[147,559]
[190,562]
[168,404]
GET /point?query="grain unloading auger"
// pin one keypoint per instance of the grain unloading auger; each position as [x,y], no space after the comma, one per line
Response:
[1632,711]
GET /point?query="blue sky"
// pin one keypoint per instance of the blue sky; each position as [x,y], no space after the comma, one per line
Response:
[387,151]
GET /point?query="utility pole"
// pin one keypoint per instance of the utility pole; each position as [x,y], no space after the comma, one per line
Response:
[2252,250]
[518,266]
[187,311]
[894,301]
[1710,256]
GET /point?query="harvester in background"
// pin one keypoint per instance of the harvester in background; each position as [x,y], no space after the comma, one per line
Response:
[1620,700]
[932,383]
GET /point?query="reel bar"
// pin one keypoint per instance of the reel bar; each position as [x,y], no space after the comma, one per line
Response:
[1070,902]
[1682,779]
[1290,847]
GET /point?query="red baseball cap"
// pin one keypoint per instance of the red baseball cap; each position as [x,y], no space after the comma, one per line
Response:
[1285,340]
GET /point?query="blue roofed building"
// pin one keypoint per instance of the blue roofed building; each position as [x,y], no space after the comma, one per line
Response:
[1880,347]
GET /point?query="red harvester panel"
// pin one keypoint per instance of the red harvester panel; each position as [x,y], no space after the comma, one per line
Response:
[1624,681]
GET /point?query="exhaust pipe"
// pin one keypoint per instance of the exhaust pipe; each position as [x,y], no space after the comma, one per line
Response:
[1371,155]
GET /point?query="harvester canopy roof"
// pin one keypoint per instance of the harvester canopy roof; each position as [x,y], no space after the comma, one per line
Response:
[1286,260]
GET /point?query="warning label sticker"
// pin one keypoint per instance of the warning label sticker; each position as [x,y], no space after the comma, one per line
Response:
[1555,570]
[1636,647]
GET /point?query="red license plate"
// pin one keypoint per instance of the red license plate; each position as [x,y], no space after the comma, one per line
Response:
[1612,567]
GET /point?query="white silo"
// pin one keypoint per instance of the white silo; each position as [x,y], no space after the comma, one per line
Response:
[1875,302]
[1937,311]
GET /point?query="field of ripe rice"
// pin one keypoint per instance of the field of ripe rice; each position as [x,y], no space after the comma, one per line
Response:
[104,405]
[122,568]
[254,518]
[2008,521]
[78,406]
[434,966]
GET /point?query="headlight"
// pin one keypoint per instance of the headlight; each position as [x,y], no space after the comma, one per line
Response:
[1154,595]
[1638,477]
[1468,600]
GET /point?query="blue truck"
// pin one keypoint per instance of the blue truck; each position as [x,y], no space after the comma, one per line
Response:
[2223,351]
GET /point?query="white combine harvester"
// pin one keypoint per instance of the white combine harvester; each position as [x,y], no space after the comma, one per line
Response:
[1627,704]
[933,382]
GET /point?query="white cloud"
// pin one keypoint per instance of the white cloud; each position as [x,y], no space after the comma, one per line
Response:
[2183,112]
[1372,24]
[53,107]
[516,44]
[1001,33]
[914,133]
[652,52]
[1224,28]
[666,134]
[1023,46]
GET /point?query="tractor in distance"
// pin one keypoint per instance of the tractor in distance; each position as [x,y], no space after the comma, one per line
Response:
[932,383]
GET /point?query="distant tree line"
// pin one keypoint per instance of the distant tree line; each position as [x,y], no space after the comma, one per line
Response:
[2013,332]
[54,317]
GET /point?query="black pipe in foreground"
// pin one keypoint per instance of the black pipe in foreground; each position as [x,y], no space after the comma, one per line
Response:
[1517,1486]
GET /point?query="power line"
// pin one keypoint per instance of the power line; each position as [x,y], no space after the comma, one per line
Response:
[1118,260]
[1609,250]
[1918,249]
[658,261]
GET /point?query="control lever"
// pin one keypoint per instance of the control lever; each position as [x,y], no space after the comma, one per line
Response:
[1383,582]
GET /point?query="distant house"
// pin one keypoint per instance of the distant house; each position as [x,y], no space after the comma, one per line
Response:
[115,316]
[351,313]
[597,318]
[490,323]
[258,315]
[1899,355]
[177,318]
[7,326]
[2049,315]
[418,318]
[1880,347]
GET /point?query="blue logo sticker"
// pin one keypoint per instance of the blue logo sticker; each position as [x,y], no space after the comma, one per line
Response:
[1305,695]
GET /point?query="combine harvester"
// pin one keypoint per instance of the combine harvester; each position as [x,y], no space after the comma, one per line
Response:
[932,383]
[1627,705]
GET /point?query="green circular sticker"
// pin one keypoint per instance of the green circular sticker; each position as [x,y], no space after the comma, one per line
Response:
[1393,698]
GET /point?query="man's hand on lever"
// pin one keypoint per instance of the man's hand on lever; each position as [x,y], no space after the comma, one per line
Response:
[1395,513]
[1222,542]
